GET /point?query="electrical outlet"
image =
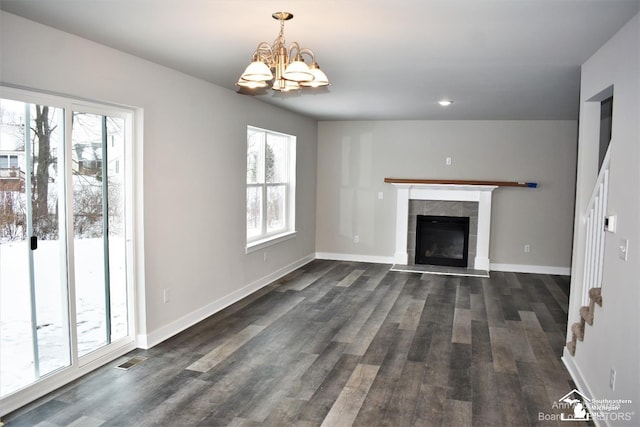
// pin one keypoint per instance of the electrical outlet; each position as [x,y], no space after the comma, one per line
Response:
[448,161]
[527,248]
[380,195]
[166,295]
[612,379]
[356,239]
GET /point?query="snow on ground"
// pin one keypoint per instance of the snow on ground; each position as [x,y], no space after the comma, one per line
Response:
[16,347]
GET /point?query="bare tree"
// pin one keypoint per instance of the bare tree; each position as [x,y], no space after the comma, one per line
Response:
[45,225]
[88,210]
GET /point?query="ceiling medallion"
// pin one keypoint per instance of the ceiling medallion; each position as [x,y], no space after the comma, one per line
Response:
[284,69]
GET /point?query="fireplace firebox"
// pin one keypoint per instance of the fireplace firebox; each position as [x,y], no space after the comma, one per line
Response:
[442,240]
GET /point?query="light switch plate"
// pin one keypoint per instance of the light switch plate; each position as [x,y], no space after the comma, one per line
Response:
[623,249]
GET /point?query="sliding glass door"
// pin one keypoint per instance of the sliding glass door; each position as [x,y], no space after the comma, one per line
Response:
[98,143]
[65,280]
[34,334]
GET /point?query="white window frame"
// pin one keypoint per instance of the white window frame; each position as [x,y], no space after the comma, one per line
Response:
[264,239]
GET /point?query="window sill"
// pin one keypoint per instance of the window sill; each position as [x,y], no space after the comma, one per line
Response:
[271,240]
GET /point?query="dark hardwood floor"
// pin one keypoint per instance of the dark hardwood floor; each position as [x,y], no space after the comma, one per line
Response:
[340,344]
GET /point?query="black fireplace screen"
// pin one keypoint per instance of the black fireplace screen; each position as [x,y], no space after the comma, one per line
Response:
[442,240]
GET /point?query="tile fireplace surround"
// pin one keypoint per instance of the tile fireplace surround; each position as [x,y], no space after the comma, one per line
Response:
[445,192]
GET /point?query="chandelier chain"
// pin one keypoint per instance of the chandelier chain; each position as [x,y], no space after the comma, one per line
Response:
[280,39]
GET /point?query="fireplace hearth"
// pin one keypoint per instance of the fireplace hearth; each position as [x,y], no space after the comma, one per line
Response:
[442,240]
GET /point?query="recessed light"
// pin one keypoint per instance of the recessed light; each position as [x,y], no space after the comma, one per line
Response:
[445,102]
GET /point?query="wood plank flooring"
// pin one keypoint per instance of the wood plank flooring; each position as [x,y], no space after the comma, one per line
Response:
[342,344]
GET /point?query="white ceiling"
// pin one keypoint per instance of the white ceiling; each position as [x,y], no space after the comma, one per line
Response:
[391,59]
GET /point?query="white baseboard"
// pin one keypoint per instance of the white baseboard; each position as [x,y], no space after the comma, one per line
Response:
[513,268]
[156,337]
[536,269]
[576,374]
[355,258]
[578,379]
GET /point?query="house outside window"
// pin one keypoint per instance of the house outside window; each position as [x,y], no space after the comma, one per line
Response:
[10,172]
[8,161]
[271,158]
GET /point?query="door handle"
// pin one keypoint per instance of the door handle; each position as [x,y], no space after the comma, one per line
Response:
[34,243]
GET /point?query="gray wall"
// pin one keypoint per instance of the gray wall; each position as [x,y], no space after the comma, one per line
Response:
[613,341]
[191,170]
[355,157]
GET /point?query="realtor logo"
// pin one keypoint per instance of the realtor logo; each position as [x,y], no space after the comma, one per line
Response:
[576,404]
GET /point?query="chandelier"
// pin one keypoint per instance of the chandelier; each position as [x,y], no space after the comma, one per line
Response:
[283,69]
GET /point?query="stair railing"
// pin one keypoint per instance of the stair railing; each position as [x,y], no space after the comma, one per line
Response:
[595,226]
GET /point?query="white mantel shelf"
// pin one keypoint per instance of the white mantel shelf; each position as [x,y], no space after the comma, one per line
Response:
[475,183]
[465,191]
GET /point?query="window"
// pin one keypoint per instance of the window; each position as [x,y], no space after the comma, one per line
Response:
[606,121]
[271,159]
[8,161]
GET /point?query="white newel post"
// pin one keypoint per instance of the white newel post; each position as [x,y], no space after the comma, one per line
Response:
[448,192]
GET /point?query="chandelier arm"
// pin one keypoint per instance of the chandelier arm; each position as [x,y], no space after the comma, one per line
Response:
[263,52]
[307,51]
[295,47]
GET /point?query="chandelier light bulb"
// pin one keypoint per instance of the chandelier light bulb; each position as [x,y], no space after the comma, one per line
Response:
[283,85]
[319,77]
[251,84]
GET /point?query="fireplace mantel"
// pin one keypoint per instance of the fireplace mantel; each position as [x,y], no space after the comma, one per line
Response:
[461,182]
[481,194]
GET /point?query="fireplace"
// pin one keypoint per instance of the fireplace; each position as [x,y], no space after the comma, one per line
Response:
[478,257]
[442,240]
